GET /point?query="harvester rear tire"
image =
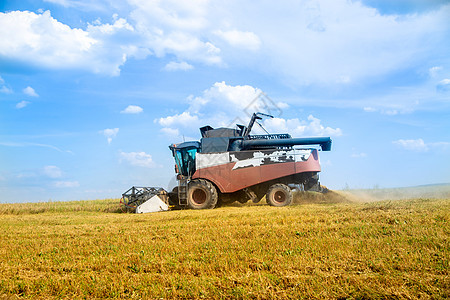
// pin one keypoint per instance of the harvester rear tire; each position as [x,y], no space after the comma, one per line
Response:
[279,195]
[202,194]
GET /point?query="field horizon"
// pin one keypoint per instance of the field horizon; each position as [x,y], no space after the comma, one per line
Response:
[438,191]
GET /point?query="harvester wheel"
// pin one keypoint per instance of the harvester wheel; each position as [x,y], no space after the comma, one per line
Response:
[202,194]
[279,195]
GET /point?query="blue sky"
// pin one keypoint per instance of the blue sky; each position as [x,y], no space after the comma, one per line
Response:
[93,92]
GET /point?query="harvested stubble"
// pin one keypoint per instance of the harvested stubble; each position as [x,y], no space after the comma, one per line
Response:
[380,250]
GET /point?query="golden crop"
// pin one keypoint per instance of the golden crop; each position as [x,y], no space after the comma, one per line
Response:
[380,250]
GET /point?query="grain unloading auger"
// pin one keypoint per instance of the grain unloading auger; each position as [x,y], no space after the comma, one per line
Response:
[229,165]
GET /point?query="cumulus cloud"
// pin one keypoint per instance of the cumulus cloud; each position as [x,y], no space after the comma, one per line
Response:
[176,27]
[183,119]
[240,39]
[310,45]
[40,40]
[178,66]
[110,133]
[140,159]
[224,105]
[52,171]
[132,109]
[220,105]
[29,91]
[302,42]
[22,104]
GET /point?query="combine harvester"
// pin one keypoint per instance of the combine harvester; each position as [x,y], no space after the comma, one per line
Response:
[230,165]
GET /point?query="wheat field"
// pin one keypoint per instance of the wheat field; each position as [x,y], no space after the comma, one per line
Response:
[318,248]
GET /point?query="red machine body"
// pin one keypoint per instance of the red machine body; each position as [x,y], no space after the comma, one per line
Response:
[234,171]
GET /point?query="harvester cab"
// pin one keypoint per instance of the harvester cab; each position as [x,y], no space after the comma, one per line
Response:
[184,155]
[230,164]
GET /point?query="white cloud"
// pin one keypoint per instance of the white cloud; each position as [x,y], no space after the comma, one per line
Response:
[183,119]
[3,88]
[434,71]
[296,127]
[178,66]
[413,145]
[176,27]
[66,184]
[229,98]
[173,14]
[443,85]
[282,105]
[308,44]
[225,105]
[110,133]
[303,43]
[29,91]
[52,172]
[220,105]
[40,40]
[240,39]
[140,159]
[419,145]
[390,108]
[132,109]
[22,104]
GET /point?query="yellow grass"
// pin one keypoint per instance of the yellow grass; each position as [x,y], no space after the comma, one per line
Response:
[335,250]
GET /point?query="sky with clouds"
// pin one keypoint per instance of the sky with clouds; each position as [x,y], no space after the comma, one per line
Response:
[93,92]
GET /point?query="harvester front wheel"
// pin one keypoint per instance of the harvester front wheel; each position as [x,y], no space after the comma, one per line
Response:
[202,194]
[279,195]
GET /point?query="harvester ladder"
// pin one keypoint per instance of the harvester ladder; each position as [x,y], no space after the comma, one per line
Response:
[183,192]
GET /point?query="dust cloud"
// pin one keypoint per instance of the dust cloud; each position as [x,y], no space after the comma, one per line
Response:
[438,191]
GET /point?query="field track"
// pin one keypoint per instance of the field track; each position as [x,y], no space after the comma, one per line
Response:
[322,247]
